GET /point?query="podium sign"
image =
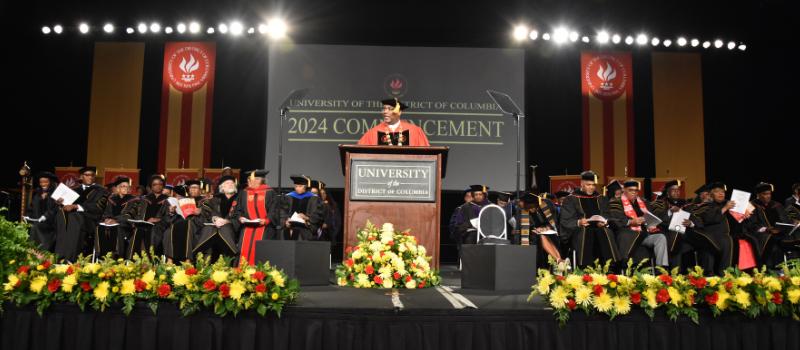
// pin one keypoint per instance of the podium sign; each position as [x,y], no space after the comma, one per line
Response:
[392,180]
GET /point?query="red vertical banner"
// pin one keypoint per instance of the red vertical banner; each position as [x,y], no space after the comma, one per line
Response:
[187,95]
[69,176]
[566,183]
[657,186]
[112,174]
[608,127]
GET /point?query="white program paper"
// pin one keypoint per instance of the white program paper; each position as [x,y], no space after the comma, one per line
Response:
[676,223]
[742,199]
[174,202]
[67,194]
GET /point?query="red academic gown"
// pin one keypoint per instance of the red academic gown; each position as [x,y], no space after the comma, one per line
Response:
[415,134]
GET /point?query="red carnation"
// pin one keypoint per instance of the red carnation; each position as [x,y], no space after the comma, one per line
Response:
[70,270]
[164,290]
[711,299]
[612,277]
[46,264]
[259,275]
[369,270]
[371,238]
[54,285]
[140,285]
[728,285]
[348,250]
[261,288]
[23,269]
[662,296]
[377,279]
[421,284]
[408,278]
[224,290]
[597,290]
[209,285]
[636,298]
[86,286]
[777,298]
[560,278]
[396,275]
[191,271]
[352,277]
[571,304]
[698,283]
[349,262]
[382,253]
[667,279]
[587,278]
[391,243]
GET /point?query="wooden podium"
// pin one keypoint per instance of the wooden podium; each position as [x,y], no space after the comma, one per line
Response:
[401,185]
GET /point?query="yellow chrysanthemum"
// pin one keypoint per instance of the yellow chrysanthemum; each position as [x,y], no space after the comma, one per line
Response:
[650,296]
[603,302]
[277,278]
[543,287]
[744,280]
[574,281]
[675,296]
[219,276]
[796,280]
[128,287]
[794,295]
[12,282]
[59,268]
[599,279]
[237,289]
[742,298]
[558,298]
[772,283]
[583,295]
[91,268]
[275,296]
[722,299]
[101,291]
[622,305]
[712,281]
[179,278]
[68,282]
[38,283]
[148,277]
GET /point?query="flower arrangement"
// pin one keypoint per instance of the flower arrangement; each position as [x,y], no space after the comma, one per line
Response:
[594,290]
[384,258]
[108,282]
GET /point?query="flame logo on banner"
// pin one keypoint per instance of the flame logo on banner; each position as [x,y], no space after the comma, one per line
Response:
[606,76]
[188,67]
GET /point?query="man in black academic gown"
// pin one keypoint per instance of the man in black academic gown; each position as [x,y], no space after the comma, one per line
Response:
[75,223]
[308,208]
[613,190]
[792,204]
[537,223]
[331,223]
[465,231]
[42,210]
[150,208]
[667,204]
[717,224]
[591,240]
[627,215]
[220,223]
[180,228]
[111,232]
[771,236]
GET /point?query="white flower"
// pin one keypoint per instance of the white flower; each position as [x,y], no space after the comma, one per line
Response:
[388,227]
[387,282]
[411,284]
[386,237]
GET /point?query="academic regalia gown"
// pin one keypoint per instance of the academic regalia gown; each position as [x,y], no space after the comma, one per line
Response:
[332,222]
[792,207]
[590,242]
[467,233]
[374,136]
[723,231]
[766,216]
[112,239]
[215,241]
[144,236]
[73,229]
[43,233]
[257,203]
[308,204]
[681,243]
[179,233]
[628,240]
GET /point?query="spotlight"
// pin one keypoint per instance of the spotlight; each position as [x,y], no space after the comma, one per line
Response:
[108,28]
[194,27]
[58,29]
[681,41]
[560,35]
[573,36]
[546,36]
[129,30]
[616,39]
[45,30]
[223,28]
[520,32]
[83,28]
[155,27]
[210,30]
[695,42]
[533,35]
[142,28]
[731,45]
[706,44]
[718,43]
[602,37]
[667,43]
[277,28]
[262,28]
[236,28]
[168,30]
[742,47]
[641,39]
[585,39]
[181,28]
[629,40]
[251,30]
[655,41]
